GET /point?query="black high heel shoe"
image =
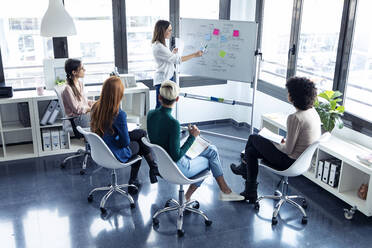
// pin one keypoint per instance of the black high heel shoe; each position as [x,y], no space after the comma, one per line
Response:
[153,173]
[240,170]
[133,190]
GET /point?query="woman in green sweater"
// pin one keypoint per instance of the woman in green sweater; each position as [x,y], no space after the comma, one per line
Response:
[164,130]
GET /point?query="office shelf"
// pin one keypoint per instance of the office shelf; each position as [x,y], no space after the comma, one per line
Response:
[26,142]
[14,126]
[20,151]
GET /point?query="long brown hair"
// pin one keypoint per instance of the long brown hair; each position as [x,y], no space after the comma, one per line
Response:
[159,31]
[107,107]
[72,65]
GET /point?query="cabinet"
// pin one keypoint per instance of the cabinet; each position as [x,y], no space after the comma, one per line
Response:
[352,172]
[16,138]
[18,141]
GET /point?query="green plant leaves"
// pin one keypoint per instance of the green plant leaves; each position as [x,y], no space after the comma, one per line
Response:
[329,110]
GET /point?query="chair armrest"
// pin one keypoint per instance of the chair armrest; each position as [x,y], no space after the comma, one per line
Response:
[68,118]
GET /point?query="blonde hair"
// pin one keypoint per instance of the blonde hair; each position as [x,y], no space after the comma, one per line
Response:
[169,90]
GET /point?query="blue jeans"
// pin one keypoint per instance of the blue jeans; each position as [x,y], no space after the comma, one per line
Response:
[207,160]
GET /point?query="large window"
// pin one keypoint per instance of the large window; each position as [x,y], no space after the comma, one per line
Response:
[318,41]
[94,42]
[22,47]
[329,42]
[206,9]
[140,26]
[275,41]
[359,82]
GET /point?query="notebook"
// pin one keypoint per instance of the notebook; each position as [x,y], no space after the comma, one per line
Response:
[197,147]
[266,133]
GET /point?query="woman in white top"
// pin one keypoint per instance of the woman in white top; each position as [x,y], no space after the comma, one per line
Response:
[164,58]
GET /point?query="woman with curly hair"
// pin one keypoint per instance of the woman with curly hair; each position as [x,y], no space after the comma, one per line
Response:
[303,128]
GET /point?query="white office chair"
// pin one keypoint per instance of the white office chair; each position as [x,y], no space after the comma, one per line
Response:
[103,156]
[170,172]
[300,166]
[70,127]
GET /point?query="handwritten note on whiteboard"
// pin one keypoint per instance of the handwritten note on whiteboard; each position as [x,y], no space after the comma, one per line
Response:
[229,48]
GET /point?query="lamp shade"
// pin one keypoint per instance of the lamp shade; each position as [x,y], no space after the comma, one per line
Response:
[56,21]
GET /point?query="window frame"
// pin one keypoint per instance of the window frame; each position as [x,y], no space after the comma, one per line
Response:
[343,57]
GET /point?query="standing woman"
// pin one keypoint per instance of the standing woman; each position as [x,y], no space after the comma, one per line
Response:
[74,100]
[164,58]
[110,123]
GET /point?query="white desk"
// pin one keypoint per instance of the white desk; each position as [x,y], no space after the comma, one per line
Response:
[135,103]
[352,174]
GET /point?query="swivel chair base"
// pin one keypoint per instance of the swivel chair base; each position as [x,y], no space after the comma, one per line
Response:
[114,187]
[180,206]
[283,197]
[79,153]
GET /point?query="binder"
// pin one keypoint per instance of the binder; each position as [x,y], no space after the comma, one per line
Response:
[63,137]
[54,114]
[320,169]
[334,173]
[55,139]
[45,133]
[48,112]
[24,114]
[326,169]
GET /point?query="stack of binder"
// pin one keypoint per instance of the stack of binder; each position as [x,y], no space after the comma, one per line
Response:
[54,139]
[328,171]
[51,113]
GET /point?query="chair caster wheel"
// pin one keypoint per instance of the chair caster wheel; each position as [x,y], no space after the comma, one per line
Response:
[63,165]
[196,205]
[167,204]
[274,221]
[132,205]
[304,220]
[82,172]
[90,198]
[257,206]
[208,222]
[155,222]
[103,210]
[304,204]
[180,233]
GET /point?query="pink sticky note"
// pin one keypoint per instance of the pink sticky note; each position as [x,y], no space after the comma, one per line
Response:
[216,31]
[236,33]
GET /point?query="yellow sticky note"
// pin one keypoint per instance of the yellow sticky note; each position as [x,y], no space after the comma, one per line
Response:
[222,53]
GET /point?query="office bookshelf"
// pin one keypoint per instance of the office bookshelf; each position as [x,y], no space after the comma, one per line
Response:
[20,142]
[352,173]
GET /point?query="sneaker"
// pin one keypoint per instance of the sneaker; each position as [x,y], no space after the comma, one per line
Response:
[230,197]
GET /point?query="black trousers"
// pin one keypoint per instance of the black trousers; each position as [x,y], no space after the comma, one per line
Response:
[139,148]
[258,147]
[136,145]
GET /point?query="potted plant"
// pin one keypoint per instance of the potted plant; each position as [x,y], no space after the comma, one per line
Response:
[329,110]
[59,81]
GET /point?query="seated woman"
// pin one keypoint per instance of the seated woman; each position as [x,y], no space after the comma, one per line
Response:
[164,130]
[74,100]
[303,128]
[110,123]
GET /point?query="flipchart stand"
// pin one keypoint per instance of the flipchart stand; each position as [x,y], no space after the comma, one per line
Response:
[258,57]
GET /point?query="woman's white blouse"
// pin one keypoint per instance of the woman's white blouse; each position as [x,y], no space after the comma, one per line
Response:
[165,61]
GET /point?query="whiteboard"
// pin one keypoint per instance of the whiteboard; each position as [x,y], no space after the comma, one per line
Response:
[229,48]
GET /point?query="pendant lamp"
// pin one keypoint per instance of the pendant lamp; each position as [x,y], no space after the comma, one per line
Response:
[56,21]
